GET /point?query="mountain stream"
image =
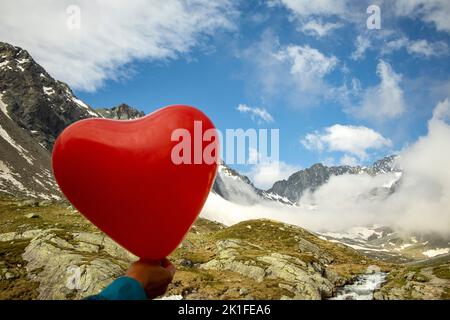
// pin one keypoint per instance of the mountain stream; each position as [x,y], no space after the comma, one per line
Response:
[363,288]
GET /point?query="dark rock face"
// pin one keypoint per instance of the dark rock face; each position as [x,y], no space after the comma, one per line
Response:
[121,112]
[34,110]
[34,100]
[385,165]
[310,178]
[24,164]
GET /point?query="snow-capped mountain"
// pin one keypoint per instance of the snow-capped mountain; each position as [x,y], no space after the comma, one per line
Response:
[386,244]
[378,242]
[237,188]
[34,100]
[310,179]
[34,109]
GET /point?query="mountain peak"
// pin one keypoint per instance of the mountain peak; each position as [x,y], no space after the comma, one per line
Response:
[9,48]
[121,112]
[34,109]
[34,100]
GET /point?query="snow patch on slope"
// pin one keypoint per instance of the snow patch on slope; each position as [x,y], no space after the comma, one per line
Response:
[436,252]
[4,63]
[48,90]
[21,61]
[355,233]
[3,107]
[11,141]
[84,106]
[8,175]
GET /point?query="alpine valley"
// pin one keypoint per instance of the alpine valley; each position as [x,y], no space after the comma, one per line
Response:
[49,251]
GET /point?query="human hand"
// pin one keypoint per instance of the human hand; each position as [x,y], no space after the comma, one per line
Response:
[154,276]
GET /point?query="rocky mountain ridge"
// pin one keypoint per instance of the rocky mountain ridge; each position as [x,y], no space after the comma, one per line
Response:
[34,100]
[312,178]
[121,112]
[34,109]
[238,188]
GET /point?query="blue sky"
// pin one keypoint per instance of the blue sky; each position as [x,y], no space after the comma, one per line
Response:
[338,92]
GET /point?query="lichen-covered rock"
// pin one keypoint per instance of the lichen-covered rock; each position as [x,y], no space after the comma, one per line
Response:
[69,265]
[302,279]
[64,270]
[308,282]
[417,283]
[227,260]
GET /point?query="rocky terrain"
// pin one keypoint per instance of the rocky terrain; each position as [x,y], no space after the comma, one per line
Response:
[419,280]
[49,251]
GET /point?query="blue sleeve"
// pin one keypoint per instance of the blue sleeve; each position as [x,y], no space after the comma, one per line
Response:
[123,288]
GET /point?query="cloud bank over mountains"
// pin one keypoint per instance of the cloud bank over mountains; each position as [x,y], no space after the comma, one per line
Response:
[421,202]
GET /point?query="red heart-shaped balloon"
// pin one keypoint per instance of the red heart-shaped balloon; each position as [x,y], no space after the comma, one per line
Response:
[121,175]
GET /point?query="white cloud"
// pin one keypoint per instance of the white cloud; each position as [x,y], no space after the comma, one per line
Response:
[422,47]
[257,114]
[396,44]
[266,173]
[426,49]
[306,8]
[293,73]
[435,12]
[347,160]
[362,43]
[354,140]
[307,64]
[384,101]
[421,202]
[113,33]
[319,17]
[317,28]
[328,161]
[442,111]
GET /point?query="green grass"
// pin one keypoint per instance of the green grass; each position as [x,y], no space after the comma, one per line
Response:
[19,288]
[442,272]
[283,238]
[446,294]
